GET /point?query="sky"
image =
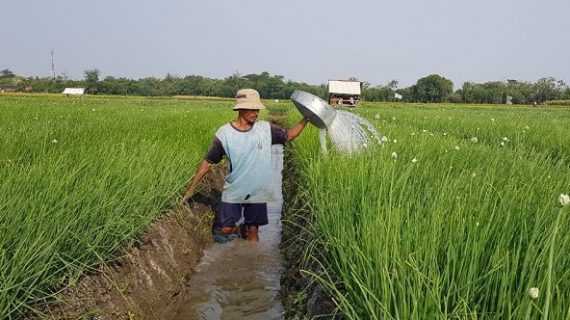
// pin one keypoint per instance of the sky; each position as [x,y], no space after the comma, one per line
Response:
[302,40]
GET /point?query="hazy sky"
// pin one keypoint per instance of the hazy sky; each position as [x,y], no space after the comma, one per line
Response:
[305,41]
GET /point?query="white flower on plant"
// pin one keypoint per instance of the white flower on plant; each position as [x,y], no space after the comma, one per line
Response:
[473,175]
[493,119]
[384,139]
[414,160]
[424,130]
[533,293]
[506,139]
[92,109]
[394,155]
[54,141]
[377,116]
[477,223]
[474,140]
[564,199]
[456,148]
[395,141]
[527,127]
[445,133]
[413,133]
[502,144]
[393,118]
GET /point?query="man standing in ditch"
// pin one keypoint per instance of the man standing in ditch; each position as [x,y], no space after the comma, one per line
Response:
[247,145]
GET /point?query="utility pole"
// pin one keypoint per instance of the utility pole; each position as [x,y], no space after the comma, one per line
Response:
[52,66]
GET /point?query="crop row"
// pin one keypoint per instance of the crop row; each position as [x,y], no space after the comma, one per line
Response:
[81,177]
[455,217]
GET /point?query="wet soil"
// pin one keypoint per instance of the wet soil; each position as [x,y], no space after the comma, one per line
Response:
[148,280]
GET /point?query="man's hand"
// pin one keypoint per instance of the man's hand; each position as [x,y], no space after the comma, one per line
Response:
[202,171]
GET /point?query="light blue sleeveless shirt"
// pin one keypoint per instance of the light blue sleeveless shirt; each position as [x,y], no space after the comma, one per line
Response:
[249,153]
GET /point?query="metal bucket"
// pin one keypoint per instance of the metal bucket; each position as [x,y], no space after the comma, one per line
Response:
[320,113]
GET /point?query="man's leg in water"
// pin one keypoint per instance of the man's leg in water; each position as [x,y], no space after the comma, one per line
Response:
[229,230]
[255,215]
[252,233]
[229,215]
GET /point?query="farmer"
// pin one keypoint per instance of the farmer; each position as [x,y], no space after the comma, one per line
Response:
[247,145]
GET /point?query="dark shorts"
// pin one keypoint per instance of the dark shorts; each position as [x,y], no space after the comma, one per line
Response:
[255,214]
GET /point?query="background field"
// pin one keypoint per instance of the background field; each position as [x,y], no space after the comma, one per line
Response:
[464,232]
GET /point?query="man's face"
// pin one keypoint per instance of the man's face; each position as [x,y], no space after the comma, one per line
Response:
[250,115]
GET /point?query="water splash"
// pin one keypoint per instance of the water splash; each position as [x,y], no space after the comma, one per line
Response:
[350,133]
[323,138]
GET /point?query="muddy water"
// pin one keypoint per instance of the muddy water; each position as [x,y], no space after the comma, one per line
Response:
[239,279]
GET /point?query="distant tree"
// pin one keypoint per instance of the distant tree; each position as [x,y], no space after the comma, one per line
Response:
[547,89]
[433,88]
[393,84]
[92,75]
[378,93]
[6,73]
[455,97]
[91,79]
[112,85]
[520,91]
[408,94]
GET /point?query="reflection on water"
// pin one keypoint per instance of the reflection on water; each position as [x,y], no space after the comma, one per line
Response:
[239,279]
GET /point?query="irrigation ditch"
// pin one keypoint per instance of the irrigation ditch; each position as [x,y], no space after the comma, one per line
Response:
[151,280]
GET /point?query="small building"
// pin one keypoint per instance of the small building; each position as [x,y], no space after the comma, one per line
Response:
[344,92]
[75,92]
[7,88]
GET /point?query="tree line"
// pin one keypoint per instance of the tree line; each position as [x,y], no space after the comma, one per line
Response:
[432,88]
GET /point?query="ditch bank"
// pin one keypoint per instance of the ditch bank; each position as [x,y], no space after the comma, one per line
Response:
[148,280]
[303,297]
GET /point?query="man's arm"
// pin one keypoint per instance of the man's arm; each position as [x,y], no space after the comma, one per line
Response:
[296,130]
[200,173]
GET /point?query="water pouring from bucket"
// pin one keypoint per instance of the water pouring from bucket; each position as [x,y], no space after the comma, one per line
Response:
[348,132]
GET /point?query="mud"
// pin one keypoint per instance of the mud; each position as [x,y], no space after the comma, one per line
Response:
[149,280]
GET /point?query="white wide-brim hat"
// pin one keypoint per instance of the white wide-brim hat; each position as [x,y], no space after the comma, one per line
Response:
[248,99]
